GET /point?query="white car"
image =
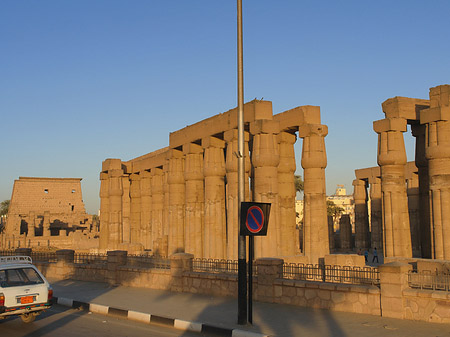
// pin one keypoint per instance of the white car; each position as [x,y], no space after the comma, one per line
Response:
[24,290]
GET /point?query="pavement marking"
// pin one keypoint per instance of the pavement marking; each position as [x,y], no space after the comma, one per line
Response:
[244,333]
[98,308]
[139,316]
[186,325]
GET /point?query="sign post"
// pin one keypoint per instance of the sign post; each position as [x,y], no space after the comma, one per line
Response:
[254,222]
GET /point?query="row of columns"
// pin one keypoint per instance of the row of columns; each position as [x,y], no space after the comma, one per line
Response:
[189,204]
[410,215]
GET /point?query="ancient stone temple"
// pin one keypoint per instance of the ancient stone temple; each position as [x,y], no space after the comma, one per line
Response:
[183,198]
[44,211]
[409,202]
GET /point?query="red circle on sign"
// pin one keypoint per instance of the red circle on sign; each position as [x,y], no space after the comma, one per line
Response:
[255,219]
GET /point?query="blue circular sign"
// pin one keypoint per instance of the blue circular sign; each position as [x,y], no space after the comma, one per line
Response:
[255,219]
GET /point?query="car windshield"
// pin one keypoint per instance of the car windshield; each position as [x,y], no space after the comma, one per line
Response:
[19,277]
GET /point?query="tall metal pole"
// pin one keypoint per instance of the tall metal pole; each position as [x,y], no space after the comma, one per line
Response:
[242,265]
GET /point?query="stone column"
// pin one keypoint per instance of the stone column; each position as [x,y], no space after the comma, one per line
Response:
[46,224]
[231,164]
[115,208]
[419,131]
[413,207]
[392,159]
[286,192]
[331,231]
[135,209]
[31,224]
[146,209]
[375,214]
[104,210]
[157,209]
[437,151]
[165,224]
[345,232]
[314,161]
[177,197]
[215,221]
[195,199]
[265,161]
[361,214]
[125,228]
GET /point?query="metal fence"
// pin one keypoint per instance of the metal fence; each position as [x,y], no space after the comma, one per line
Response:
[44,256]
[332,274]
[87,258]
[429,281]
[218,266]
[148,261]
[7,252]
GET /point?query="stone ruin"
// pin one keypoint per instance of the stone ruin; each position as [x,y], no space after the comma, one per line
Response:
[183,198]
[48,212]
[409,202]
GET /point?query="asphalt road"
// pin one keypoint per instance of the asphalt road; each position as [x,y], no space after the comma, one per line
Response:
[65,322]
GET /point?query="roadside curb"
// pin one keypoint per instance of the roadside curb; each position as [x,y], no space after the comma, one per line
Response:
[155,319]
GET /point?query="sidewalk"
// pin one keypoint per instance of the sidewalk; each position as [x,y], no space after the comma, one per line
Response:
[269,319]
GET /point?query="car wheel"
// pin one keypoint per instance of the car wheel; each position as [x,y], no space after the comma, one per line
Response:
[28,318]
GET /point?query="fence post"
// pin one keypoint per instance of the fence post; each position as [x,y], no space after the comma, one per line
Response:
[179,264]
[393,280]
[64,264]
[269,269]
[116,258]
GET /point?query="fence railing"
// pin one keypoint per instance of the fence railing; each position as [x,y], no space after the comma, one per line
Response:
[87,258]
[218,266]
[332,274]
[44,256]
[146,261]
[429,280]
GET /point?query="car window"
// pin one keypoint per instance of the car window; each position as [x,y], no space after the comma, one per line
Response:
[19,277]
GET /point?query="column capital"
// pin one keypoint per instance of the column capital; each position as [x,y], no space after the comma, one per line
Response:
[312,129]
[192,148]
[213,142]
[264,126]
[390,124]
[231,135]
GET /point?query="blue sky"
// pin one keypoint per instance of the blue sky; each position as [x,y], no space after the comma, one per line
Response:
[86,80]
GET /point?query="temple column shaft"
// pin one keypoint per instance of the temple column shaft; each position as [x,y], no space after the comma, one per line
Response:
[265,161]
[392,159]
[361,214]
[437,151]
[412,183]
[286,192]
[157,210]
[314,161]
[115,207]
[135,209]
[104,210]
[231,164]
[176,201]
[375,214]
[193,174]
[146,209]
[215,221]
[125,228]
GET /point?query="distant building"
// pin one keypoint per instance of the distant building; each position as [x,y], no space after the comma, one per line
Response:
[340,199]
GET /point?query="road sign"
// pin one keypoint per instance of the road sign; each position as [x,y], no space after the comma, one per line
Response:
[254,218]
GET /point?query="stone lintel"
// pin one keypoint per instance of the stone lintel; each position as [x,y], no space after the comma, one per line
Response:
[156,172]
[253,110]
[264,126]
[292,119]
[173,153]
[367,173]
[213,142]
[149,160]
[312,129]
[145,174]
[192,148]
[435,114]
[286,137]
[359,182]
[404,107]
[390,124]
[229,135]
[111,164]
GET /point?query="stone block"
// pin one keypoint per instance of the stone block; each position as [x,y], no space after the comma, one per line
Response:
[264,126]
[390,124]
